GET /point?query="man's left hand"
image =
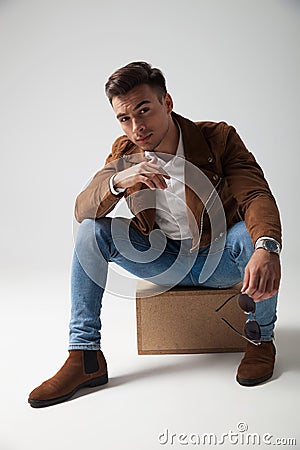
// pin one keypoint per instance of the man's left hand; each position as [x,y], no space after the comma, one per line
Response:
[262,275]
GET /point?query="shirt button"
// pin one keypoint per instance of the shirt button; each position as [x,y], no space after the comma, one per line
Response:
[215,177]
[210,159]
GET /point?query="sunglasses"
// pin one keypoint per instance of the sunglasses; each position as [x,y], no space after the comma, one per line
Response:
[252,329]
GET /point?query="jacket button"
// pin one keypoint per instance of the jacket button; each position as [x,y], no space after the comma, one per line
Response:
[215,177]
[210,159]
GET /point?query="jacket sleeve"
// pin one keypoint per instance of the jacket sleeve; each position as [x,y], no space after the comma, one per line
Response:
[97,200]
[249,187]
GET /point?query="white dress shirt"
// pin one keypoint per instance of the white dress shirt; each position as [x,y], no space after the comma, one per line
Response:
[171,213]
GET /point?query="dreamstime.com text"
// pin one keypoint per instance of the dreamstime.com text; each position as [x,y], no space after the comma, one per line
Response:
[239,437]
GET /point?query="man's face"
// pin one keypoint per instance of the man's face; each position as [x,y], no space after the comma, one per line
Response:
[144,119]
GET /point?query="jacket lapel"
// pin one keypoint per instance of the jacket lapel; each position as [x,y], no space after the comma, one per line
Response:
[195,146]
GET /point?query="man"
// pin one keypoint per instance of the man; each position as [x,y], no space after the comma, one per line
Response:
[173,173]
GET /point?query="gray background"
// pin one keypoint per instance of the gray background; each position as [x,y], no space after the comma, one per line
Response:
[232,60]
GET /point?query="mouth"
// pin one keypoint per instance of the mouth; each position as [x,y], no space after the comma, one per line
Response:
[141,140]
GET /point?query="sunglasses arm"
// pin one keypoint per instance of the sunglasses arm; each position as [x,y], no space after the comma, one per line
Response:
[240,334]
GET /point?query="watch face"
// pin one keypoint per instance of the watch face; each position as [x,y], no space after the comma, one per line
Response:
[271,246]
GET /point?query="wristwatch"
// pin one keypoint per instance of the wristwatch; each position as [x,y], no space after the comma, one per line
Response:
[269,244]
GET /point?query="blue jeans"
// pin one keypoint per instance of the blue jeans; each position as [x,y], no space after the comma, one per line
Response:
[158,259]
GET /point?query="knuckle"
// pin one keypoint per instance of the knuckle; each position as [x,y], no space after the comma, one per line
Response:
[252,287]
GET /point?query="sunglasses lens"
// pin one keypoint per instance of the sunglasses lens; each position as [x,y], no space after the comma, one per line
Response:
[246,303]
[252,330]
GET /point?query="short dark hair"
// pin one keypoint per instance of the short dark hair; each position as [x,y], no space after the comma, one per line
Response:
[132,75]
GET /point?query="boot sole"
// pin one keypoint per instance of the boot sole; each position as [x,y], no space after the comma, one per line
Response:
[53,401]
[253,382]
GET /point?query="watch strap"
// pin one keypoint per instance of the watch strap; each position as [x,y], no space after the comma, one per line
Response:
[260,243]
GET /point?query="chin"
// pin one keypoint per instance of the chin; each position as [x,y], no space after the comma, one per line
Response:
[147,147]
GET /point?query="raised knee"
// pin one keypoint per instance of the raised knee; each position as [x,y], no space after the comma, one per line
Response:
[102,227]
[240,240]
[91,228]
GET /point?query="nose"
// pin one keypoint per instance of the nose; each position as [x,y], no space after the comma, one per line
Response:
[137,126]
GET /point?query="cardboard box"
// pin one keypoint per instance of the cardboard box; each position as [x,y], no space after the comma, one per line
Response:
[184,320]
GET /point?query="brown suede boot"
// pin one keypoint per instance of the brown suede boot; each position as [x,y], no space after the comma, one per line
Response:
[83,368]
[257,365]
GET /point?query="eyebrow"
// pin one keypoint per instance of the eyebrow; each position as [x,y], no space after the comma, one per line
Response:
[134,109]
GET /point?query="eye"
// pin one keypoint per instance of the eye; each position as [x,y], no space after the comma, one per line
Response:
[144,110]
[123,119]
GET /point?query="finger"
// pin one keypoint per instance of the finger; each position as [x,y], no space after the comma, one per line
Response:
[252,285]
[159,183]
[277,284]
[274,287]
[246,280]
[158,180]
[265,289]
[147,181]
[258,296]
[272,293]
[270,288]
[153,159]
[261,288]
[153,181]
[156,169]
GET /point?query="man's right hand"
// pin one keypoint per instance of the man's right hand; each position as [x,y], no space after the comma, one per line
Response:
[147,172]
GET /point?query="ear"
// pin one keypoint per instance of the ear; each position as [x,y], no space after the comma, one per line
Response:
[168,102]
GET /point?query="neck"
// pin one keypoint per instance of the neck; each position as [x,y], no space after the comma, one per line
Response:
[170,142]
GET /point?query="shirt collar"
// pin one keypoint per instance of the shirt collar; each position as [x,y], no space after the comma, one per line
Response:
[179,151]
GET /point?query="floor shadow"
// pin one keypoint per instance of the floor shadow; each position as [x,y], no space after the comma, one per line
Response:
[287,341]
[140,374]
[187,363]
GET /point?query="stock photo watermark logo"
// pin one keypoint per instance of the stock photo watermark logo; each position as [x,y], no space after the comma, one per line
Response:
[240,437]
[93,235]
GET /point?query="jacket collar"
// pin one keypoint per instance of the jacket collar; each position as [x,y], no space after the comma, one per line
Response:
[195,146]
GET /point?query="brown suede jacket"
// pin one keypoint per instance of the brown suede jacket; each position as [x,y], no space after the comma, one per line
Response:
[218,151]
